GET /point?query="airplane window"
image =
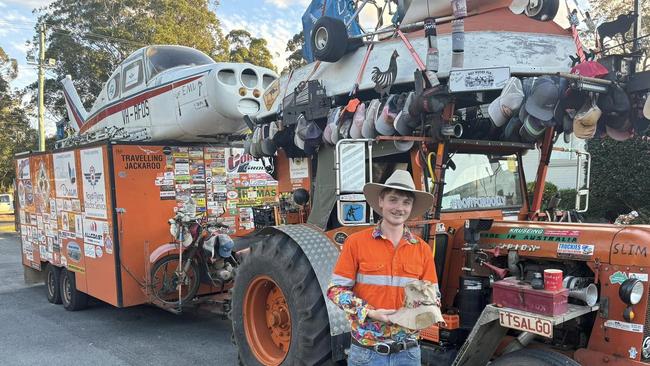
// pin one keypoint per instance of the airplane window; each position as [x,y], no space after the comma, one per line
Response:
[161,58]
[227,77]
[113,87]
[267,80]
[249,78]
[132,75]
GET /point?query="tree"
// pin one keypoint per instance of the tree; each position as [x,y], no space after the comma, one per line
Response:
[608,10]
[295,59]
[246,48]
[90,38]
[15,133]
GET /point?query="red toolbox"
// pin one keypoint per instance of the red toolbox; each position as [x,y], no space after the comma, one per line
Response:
[513,293]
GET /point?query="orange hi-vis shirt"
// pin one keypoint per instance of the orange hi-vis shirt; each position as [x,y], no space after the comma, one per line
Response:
[376,272]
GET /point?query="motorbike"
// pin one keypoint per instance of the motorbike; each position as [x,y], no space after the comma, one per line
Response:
[201,253]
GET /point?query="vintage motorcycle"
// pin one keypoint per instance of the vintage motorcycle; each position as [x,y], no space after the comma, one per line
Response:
[200,254]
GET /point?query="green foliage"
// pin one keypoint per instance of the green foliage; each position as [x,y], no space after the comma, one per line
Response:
[295,59]
[90,38]
[549,191]
[246,48]
[15,133]
[619,178]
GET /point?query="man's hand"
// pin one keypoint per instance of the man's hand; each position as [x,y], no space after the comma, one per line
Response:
[380,314]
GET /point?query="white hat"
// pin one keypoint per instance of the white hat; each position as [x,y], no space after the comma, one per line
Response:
[357,121]
[384,122]
[518,6]
[400,180]
[510,100]
[646,107]
[403,146]
[368,129]
[420,310]
[331,124]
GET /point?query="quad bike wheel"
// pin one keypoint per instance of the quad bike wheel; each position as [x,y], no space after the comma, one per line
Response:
[72,299]
[278,313]
[329,39]
[53,283]
[544,10]
[534,357]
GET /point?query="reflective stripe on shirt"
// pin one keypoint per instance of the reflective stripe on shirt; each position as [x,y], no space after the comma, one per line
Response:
[380,280]
[341,281]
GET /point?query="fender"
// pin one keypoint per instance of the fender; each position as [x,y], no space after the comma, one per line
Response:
[164,250]
[322,254]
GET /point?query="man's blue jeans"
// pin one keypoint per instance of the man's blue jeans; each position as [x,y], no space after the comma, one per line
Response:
[363,356]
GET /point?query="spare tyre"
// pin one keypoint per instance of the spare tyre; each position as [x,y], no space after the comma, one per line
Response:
[544,10]
[329,39]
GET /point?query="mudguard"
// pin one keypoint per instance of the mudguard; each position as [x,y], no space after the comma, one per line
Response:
[164,250]
[322,254]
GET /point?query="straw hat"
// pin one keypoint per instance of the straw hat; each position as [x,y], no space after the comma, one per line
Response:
[400,180]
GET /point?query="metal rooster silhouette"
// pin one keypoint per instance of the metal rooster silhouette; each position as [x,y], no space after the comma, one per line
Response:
[384,79]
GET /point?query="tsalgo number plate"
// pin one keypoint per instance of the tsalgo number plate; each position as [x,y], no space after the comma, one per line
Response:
[532,324]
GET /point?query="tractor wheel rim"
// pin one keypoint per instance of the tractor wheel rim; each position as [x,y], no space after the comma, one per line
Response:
[50,283]
[267,321]
[321,38]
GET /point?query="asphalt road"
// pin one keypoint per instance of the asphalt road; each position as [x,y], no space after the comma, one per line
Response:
[35,332]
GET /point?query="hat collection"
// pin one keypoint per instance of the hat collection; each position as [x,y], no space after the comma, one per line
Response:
[522,112]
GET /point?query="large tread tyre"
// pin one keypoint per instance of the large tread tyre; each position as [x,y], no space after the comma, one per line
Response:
[53,283]
[534,357]
[329,39]
[269,329]
[72,299]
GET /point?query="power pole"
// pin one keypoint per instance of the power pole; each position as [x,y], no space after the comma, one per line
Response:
[41,87]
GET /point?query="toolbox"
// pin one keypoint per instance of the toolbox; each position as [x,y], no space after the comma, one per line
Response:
[516,294]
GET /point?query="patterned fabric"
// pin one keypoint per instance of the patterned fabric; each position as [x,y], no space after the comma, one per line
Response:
[371,273]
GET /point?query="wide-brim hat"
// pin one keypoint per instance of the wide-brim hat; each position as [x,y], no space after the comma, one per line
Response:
[404,122]
[368,129]
[403,146]
[399,180]
[544,95]
[357,121]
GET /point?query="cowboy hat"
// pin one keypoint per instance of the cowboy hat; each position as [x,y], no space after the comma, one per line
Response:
[403,146]
[404,122]
[400,180]
[420,310]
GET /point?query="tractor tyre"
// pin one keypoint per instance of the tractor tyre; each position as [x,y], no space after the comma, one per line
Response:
[534,357]
[329,39]
[53,283]
[278,312]
[71,298]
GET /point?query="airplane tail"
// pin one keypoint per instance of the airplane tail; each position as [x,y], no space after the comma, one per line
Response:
[77,114]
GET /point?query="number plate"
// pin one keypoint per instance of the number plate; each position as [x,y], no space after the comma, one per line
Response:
[526,323]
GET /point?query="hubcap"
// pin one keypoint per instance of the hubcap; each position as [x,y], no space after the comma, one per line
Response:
[267,321]
[321,38]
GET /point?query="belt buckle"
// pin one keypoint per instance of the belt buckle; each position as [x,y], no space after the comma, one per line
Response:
[382,348]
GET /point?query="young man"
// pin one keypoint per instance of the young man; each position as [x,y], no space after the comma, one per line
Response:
[373,268]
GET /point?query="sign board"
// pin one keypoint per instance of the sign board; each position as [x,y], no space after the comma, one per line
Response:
[472,80]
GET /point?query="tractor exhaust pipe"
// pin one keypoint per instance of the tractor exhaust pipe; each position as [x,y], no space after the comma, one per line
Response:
[449,130]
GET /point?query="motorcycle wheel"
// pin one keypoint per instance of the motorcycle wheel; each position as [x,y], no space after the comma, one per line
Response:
[165,279]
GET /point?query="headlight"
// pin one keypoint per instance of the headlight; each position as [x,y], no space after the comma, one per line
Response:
[631,291]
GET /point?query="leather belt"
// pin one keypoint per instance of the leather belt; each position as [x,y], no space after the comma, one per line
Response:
[386,348]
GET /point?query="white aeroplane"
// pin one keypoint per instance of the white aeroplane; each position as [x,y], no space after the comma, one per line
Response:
[173,93]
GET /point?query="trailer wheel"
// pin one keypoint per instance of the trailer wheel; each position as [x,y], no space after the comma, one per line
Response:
[53,283]
[279,314]
[165,281]
[534,357]
[329,39]
[71,298]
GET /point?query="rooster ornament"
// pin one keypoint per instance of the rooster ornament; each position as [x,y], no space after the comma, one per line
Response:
[384,79]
